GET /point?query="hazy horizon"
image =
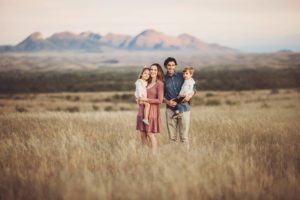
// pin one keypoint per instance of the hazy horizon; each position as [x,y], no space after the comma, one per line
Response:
[254,26]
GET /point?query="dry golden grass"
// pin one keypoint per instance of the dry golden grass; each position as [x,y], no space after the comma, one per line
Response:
[67,101]
[246,150]
[114,101]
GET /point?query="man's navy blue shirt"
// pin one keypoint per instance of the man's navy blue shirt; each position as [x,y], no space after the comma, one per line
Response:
[172,88]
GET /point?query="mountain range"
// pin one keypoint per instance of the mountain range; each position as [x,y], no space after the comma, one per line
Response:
[148,40]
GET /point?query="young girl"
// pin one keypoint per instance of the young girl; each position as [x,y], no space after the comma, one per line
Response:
[141,91]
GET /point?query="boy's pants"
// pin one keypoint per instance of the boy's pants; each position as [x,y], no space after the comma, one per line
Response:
[180,107]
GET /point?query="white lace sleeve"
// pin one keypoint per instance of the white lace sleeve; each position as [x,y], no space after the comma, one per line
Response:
[138,89]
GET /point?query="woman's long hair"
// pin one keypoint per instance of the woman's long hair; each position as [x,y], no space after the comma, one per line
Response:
[160,72]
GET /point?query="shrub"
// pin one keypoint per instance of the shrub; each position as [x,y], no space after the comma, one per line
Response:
[213,102]
[108,108]
[21,109]
[95,107]
[265,105]
[124,108]
[209,94]
[196,101]
[274,91]
[72,109]
[73,98]
[120,98]
[231,103]
[108,99]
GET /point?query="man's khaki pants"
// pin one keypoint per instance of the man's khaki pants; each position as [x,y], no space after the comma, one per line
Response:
[178,125]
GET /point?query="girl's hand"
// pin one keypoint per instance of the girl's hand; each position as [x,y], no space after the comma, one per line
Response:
[140,102]
[143,99]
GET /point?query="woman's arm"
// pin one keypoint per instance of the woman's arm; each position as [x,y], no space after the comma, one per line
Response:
[160,92]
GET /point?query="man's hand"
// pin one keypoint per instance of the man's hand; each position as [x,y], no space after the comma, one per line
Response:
[172,103]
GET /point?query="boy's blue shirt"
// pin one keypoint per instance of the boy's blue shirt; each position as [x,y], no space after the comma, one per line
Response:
[172,88]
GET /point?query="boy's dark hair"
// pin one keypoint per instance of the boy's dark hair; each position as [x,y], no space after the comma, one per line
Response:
[170,59]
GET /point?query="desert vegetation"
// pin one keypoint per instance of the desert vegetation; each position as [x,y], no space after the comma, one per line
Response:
[94,81]
[244,145]
[67,129]
[121,101]
[117,71]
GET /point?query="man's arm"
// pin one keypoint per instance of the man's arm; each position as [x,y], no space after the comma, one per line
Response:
[170,102]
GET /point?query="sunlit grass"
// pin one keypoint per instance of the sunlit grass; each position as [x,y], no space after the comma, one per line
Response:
[242,151]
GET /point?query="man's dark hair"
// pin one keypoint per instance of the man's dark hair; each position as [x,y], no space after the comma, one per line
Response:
[170,59]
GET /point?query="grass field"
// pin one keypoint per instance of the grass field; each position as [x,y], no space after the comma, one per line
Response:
[244,145]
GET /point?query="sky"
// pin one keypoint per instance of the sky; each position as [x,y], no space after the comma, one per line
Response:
[250,26]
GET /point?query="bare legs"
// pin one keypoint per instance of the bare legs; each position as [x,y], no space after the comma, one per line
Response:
[152,138]
[146,113]
[144,138]
[153,142]
[146,110]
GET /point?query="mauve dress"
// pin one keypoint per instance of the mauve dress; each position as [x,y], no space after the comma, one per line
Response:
[155,96]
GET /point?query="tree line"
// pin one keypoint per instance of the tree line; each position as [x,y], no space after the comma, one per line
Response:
[80,81]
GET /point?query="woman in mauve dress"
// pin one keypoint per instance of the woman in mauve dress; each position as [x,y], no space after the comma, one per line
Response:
[155,94]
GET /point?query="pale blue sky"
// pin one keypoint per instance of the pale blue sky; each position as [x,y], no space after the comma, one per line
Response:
[252,25]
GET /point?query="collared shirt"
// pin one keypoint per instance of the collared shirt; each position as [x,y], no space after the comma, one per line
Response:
[172,88]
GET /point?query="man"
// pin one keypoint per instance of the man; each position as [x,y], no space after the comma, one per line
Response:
[173,83]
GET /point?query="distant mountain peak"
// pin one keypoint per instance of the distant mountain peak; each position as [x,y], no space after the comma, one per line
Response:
[190,41]
[147,40]
[151,39]
[64,34]
[36,36]
[86,34]
[116,40]
[150,32]
[34,42]
[90,35]
[187,36]
[110,34]
[115,36]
